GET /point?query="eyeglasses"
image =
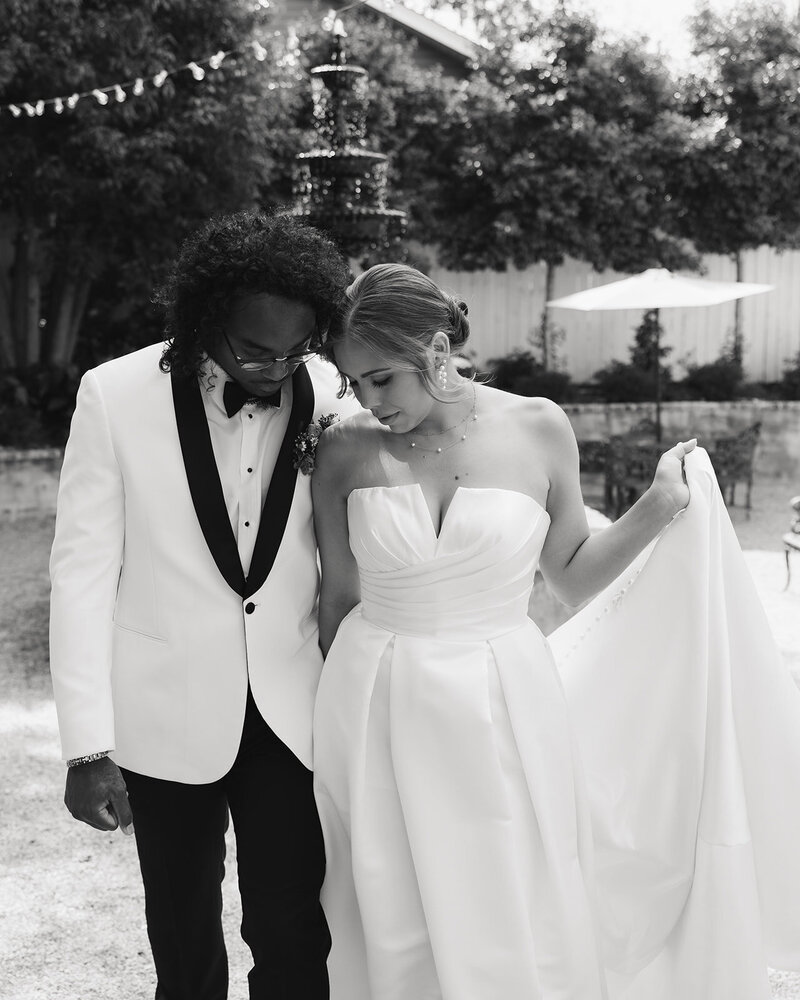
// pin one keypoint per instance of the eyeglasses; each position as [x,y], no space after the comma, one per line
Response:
[264,364]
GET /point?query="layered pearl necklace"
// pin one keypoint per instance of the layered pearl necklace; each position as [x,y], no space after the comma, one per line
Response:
[464,422]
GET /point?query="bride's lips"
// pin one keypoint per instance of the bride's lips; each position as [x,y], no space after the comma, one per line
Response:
[388,418]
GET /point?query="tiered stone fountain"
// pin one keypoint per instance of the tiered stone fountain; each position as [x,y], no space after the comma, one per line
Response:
[341,186]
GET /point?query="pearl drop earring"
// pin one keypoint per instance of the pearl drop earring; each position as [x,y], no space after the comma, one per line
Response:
[441,374]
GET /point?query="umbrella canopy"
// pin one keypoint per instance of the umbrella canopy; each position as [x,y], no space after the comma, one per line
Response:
[658,288]
[654,289]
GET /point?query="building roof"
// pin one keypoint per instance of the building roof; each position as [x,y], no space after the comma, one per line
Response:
[437,44]
[450,42]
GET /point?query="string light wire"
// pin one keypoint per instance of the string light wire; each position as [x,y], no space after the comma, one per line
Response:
[119,91]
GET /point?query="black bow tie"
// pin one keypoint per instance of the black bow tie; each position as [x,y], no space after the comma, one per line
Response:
[234,397]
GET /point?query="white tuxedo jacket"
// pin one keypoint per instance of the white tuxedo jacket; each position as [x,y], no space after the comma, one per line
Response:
[154,627]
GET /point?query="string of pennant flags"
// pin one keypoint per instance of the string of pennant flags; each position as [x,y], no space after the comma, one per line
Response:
[117,93]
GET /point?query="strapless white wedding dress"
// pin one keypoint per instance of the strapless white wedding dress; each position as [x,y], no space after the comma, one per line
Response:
[500,828]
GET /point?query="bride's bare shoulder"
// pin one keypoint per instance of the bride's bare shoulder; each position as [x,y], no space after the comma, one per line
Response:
[344,446]
[532,414]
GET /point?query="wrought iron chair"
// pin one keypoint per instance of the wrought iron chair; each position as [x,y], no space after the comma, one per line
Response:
[732,458]
[629,463]
[630,467]
[791,540]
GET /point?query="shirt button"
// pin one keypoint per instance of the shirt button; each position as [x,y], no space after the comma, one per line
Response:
[249,470]
[247,524]
[249,416]
[249,608]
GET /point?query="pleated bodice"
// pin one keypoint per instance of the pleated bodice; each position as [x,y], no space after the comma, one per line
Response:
[471,581]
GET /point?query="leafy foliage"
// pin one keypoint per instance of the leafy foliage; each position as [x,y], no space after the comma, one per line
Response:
[719,380]
[566,146]
[520,372]
[619,382]
[790,383]
[741,186]
[105,194]
[36,405]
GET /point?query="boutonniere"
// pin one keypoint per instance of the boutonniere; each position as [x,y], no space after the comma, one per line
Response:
[305,444]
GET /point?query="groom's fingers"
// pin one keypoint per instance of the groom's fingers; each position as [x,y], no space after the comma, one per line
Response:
[121,809]
[104,818]
[97,815]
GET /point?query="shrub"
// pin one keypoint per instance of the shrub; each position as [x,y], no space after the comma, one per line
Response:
[636,382]
[720,380]
[521,373]
[789,385]
[621,383]
[37,404]
[20,427]
[761,390]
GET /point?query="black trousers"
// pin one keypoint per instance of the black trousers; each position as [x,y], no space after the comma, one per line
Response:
[180,837]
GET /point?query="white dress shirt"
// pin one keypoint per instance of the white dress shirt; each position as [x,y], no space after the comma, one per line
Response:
[245,448]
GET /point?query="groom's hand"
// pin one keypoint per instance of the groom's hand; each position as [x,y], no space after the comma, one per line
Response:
[96,794]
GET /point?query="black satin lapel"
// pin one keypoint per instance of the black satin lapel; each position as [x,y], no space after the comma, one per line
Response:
[278,501]
[203,478]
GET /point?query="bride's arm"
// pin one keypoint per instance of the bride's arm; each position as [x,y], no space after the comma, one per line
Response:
[575,563]
[330,485]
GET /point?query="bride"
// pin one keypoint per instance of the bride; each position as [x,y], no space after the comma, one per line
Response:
[496,829]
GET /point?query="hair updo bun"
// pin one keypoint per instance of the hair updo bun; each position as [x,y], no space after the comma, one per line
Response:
[458,334]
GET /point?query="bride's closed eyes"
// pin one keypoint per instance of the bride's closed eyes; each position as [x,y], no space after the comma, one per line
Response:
[377,383]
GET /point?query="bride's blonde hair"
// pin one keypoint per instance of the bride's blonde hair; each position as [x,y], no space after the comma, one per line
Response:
[397,312]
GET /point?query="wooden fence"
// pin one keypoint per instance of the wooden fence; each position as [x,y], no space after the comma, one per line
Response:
[505,311]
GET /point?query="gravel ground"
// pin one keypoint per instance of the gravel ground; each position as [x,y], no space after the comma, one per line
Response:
[71,903]
[72,914]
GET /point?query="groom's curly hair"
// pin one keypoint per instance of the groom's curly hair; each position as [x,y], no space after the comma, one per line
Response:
[246,253]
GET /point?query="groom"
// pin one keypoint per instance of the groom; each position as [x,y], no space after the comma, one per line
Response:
[183,623]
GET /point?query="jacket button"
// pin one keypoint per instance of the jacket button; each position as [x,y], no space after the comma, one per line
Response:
[249,607]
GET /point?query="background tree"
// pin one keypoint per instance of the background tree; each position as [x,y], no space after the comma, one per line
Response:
[566,147]
[96,199]
[741,184]
[639,379]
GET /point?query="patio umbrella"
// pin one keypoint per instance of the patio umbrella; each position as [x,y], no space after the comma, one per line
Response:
[655,289]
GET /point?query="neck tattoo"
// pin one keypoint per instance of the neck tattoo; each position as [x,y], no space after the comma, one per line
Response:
[464,422]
